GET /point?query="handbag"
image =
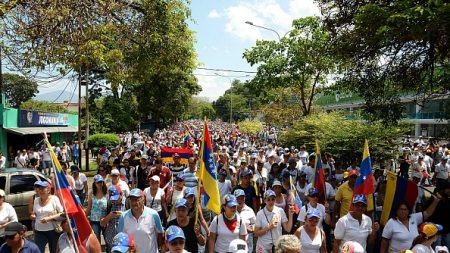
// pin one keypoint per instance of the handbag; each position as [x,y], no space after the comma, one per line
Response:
[56,224]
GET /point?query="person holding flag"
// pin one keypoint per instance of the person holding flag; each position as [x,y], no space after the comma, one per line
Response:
[207,173]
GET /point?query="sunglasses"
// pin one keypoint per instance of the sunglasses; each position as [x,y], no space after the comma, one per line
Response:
[178,180]
[101,170]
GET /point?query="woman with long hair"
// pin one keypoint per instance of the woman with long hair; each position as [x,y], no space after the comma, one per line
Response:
[269,223]
[189,195]
[97,204]
[156,199]
[400,230]
[226,226]
[46,209]
[427,236]
[274,174]
[7,214]
[114,209]
[312,238]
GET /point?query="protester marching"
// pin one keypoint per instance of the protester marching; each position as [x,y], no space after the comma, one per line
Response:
[198,186]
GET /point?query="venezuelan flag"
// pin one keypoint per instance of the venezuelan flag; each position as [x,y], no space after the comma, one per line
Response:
[81,227]
[297,200]
[318,180]
[365,183]
[208,173]
[62,184]
[397,189]
[167,154]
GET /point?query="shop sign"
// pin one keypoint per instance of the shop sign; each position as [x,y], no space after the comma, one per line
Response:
[36,118]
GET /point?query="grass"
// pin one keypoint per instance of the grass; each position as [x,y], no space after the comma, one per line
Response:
[92,169]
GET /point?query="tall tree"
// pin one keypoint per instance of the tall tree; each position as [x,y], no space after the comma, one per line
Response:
[18,89]
[300,60]
[135,46]
[391,48]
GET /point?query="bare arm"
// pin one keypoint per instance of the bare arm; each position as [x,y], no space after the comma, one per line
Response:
[430,210]
[212,242]
[384,245]
[336,244]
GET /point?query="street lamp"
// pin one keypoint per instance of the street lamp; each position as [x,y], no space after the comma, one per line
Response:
[266,28]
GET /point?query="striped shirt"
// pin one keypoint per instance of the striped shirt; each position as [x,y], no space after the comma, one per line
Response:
[190,178]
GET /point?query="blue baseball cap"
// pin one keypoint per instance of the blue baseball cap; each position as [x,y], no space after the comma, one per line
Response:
[98,178]
[230,200]
[114,192]
[239,192]
[180,177]
[246,172]
[43,184]
[313,212]
[182,202]
[269,193]
[122,242]
[285,173]
[189,192]
[136,193]
[312,192]
[360,198]
[173,232]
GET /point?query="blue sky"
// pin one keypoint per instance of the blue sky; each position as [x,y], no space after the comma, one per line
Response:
[222,36]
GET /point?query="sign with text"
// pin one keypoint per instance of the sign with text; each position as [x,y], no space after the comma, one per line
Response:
[36,118]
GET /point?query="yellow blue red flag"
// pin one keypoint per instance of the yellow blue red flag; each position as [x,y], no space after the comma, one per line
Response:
[81,227]
[208,173]
[318,180]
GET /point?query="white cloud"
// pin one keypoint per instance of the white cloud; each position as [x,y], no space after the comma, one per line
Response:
[267,13]
[214,14]
[212,86]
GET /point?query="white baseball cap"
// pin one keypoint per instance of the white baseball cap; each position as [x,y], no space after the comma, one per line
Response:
[115,172]
[238,246]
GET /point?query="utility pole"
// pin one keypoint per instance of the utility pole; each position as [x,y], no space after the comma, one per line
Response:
[87,122]
[80,77]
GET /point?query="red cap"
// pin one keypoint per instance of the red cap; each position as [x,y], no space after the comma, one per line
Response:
[353,172]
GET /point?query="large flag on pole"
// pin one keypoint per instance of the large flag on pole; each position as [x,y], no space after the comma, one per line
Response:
[81,227]
[398,189]
[365,183]
[208,173]
[318,180]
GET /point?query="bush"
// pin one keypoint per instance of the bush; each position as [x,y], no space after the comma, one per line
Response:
[110,140]
[250,127]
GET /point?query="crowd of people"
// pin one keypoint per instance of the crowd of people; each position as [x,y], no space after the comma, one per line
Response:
[138,202]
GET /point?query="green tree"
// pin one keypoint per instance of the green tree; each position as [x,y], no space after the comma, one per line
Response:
[18,89]
[237,101]
[344,138]
[251,127]
[301,60]
[390,48]
[199,109]
[133,46]
[44,106]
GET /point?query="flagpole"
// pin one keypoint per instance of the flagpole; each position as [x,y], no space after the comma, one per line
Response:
[60,193]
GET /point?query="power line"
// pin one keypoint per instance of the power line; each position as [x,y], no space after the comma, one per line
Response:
[228,70]
[75,86]
[223,76]
[60,94]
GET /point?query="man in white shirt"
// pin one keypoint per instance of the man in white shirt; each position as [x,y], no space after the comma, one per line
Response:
[142,223]
[441,171]
[247,215]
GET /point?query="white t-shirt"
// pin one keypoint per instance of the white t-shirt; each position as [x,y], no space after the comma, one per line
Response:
[154,203]
[45,211]
[248,216]
[401,237]
[319,207]
[224,235]
[308,170]
[419,248]
[79,182]
[224,188]
[348,229]
[263,218]
[329,191]
[7,214]
[2,162]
